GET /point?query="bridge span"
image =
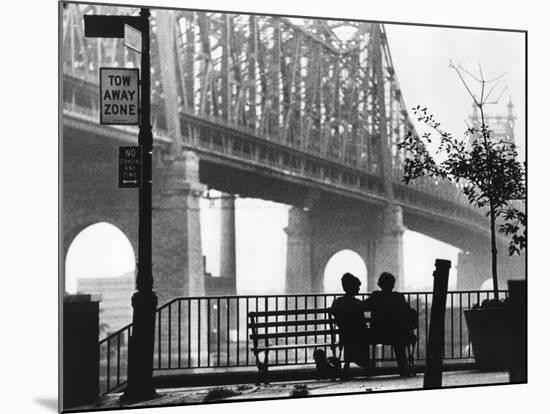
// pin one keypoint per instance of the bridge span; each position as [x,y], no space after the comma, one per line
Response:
[303,112]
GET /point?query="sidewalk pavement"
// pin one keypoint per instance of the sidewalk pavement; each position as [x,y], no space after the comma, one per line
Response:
[240,392]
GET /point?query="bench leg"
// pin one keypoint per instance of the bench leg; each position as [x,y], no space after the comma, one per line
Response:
[263,368]
[345,374]
[411,349]
[362,360]
[372,351]
[266,368]
[369,363]
[402,355]
[345,371]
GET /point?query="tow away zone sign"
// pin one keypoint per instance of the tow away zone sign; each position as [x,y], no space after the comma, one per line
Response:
[119,96]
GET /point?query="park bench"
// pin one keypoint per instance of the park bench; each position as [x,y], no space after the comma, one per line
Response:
[287,330]
[270,332]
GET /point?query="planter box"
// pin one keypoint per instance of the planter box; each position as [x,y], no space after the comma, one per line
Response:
[489,330]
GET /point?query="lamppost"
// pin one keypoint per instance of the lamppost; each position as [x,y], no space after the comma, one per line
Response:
[144,301]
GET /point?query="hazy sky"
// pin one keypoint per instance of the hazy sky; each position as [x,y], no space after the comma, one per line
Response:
[421,57]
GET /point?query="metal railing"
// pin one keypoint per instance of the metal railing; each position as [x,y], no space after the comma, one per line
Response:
[211,333]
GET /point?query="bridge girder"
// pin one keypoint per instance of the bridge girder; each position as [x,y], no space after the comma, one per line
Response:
[295,84]
[292,101]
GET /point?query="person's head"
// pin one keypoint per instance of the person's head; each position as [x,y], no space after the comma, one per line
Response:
[386,281]
[350,284]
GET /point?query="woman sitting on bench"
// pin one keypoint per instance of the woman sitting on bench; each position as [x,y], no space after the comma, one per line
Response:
[348,312]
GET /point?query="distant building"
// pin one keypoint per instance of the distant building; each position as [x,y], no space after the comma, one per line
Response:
[115,306]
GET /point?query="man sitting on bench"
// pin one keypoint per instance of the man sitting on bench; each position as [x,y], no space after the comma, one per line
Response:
[348,312]
[392,320]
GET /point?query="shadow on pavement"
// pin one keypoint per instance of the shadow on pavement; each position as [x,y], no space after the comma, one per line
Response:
[49,403]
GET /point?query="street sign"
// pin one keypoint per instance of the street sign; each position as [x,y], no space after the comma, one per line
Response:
[129,167]
[119,96]
[132,38]
[109,26]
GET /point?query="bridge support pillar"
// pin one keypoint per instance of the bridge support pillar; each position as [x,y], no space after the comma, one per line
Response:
[177,256]
[298,258]
[228,266]
[386,252]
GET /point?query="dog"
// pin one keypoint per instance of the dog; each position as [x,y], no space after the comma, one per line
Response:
[326,367]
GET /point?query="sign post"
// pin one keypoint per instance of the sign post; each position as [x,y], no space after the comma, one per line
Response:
[144,301]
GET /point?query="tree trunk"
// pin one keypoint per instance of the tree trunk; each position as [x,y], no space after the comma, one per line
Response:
[494,253]
[486,137]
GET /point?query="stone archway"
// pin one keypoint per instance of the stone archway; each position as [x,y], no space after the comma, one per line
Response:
[343,261]
[100,260]
[75,222]
[100,250]
[487,284]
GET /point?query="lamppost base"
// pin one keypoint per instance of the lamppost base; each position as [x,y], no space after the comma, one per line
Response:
[140,349]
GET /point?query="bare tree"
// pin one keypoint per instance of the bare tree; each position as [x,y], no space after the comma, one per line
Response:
[487,171]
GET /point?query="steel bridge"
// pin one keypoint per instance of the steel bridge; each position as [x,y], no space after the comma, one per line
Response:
[307,112]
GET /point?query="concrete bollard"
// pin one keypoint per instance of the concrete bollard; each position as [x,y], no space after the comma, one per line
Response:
[436,338]
[80,369]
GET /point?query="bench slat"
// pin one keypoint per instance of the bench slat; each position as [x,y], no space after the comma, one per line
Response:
[288,312]
[294,346]
[317,332]
[292,323]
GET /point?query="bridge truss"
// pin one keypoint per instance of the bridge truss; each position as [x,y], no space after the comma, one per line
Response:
[314,98]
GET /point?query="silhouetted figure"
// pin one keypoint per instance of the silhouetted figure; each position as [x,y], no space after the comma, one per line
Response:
[348,312]
[392,319]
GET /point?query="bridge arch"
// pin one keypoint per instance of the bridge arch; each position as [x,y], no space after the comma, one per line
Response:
[487,284]
[74,224]
[97,249]
[340,262]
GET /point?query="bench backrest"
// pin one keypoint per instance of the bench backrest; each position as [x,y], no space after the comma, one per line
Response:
[295,324]
[298,326]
